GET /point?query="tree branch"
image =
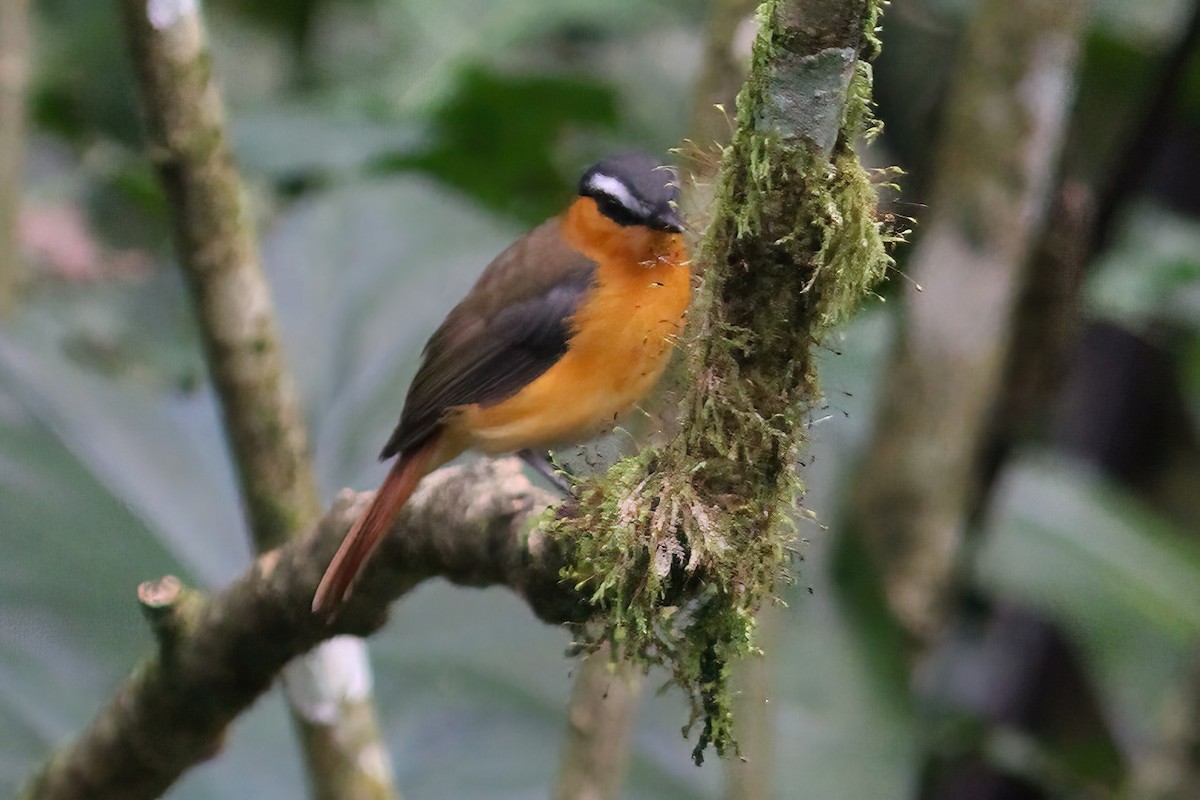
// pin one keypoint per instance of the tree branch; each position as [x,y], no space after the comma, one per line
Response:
[1003,133]
[604,704]
[472,524]
[14,74]
[726,59]
[1146,138]
[214,236]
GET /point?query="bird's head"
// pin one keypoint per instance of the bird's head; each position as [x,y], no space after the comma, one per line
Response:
[635,189]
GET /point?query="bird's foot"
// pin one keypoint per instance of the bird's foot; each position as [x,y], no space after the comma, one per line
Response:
[543,465]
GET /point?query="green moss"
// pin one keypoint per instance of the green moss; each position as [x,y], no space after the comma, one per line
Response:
[680,546]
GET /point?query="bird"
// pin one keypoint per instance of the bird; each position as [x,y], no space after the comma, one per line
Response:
[563,332]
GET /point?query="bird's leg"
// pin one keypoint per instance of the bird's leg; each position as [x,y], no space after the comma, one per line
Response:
[542,465]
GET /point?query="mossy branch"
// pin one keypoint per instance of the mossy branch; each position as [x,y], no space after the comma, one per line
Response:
[218,653]
[682,544]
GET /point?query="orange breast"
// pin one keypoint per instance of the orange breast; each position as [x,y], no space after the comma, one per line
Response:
[623,334]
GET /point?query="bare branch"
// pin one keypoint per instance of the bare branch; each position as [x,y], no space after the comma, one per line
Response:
[604,703]
[262,419]
[472,525]
[726,59]
[185,129]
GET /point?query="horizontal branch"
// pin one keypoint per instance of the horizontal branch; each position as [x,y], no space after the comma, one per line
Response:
[471,524]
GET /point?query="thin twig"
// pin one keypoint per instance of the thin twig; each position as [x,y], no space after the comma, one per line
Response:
[604,703]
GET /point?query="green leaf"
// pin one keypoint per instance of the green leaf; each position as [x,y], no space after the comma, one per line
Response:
[1152,274]
[73,555]
[1119,580]
[161,456]
[507,160]
[415,50]
[288,143]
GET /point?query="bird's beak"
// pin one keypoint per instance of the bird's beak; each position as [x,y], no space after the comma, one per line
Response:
[669,221]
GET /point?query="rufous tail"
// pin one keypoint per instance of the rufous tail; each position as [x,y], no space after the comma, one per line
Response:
[368,529]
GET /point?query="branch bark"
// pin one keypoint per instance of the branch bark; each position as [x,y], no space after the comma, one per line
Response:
[217,654]
[1001,141]
[14,75]
[604,703]
[185,125]
[752,776]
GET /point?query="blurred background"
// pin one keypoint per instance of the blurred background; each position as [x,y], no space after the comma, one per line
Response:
[392,148]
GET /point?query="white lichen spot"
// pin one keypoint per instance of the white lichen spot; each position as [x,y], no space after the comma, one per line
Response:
[741,46]
[336,672]
[165,13]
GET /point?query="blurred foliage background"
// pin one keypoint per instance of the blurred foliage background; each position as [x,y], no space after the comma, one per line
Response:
[393,147]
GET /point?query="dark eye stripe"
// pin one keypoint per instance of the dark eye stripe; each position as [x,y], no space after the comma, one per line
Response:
[616,211]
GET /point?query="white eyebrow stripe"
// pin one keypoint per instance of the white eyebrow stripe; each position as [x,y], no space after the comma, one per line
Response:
[612,187]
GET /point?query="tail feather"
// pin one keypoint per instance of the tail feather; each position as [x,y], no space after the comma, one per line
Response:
[367,531]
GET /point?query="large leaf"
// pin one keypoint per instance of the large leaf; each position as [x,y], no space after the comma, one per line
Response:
[160,456]
[1117,578]
[1152,274]
[302,141]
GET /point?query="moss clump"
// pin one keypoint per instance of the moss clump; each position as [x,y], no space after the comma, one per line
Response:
[680,546]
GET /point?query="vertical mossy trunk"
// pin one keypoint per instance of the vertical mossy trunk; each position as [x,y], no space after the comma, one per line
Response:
[682,544]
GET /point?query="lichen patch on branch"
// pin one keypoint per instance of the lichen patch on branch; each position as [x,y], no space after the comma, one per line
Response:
[680,545]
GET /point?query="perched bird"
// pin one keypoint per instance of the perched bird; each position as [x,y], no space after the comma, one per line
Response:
[565,330]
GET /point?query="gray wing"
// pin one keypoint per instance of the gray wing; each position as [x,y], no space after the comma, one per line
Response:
[512,326]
